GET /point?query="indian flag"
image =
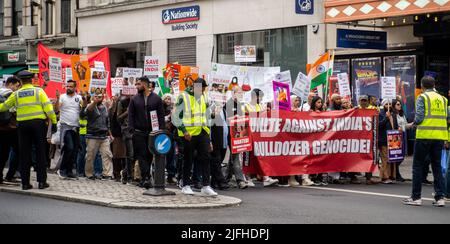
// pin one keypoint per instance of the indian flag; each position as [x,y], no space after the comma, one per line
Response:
[319,72]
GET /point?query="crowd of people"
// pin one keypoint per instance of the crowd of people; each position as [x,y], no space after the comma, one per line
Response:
[101,138]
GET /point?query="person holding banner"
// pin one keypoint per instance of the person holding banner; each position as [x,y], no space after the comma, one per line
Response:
[387,121]
[317,106]
[398,111]
[431,121]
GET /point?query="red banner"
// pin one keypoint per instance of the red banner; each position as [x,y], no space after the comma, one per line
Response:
[240,135]
[296,143]
[43,56]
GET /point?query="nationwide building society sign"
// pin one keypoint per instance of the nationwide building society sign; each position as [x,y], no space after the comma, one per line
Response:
[178,17]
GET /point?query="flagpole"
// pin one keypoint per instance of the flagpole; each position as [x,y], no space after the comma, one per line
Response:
[327,82]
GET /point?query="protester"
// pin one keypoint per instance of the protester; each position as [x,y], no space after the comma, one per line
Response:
[8,131]
[431,119]
[118,145]
[336,102]
[234,108]
[306,107]
[139,121]
[127,137]
[346,104]
[317,106]
[387,121]
[398,112]
[33,110]
[171,167]
[98,137]
[69,107]
[190,118]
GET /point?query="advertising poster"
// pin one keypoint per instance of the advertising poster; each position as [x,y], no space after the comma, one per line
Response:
[395,146]
[282,96]
[99,81]
[439,65]
[240,135]
[244,54]
[403,68]
[55,69]
[367,71]
[130,75]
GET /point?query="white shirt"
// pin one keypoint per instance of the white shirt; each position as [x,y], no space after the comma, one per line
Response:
[69,108]
[305,107]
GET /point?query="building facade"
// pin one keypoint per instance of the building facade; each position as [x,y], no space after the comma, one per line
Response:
[24,23]
[200,32]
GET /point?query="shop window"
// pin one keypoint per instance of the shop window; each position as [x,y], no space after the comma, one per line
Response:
[286,48]
[49,5]
[65,16]
[17,15]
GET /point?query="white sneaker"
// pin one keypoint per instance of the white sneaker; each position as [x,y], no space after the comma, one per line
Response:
[187,190]
[269,181]
[250,183]
[293,182]
[412,202]
[439,203]
[207,191]
[307,182]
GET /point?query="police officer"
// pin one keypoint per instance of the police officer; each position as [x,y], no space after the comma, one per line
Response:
[33,109]
[190,118]
[431,122]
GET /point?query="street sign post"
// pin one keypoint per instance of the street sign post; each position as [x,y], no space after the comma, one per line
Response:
[160,144]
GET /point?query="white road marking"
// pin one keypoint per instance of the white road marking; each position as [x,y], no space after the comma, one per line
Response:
[361,192]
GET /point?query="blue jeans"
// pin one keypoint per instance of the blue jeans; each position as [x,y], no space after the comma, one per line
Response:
[423,149]
[81,160]
[171,165]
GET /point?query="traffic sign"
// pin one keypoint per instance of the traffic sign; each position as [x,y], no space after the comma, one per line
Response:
[163,144]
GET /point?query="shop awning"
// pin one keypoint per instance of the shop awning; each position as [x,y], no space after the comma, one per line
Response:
[352,10]
[11,70]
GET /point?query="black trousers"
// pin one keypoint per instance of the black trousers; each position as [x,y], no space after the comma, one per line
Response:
[69,151]
[32,132]
[142,154]
[217,157]
[8,142]
[200,144]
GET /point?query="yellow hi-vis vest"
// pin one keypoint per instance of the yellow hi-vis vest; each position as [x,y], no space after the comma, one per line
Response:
[194,116]
[434,126]
[248,108]
[31,103]
[83,126]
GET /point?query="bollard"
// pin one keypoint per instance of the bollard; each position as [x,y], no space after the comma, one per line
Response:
[160,144]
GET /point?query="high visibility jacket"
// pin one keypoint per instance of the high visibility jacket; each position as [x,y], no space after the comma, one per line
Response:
[434,125]
[248,108]
[31,103]
[194,116]
[83,126]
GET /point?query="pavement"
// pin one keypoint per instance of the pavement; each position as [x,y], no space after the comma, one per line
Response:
[116,195]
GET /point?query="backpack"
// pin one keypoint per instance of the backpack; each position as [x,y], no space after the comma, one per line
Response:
[5,117]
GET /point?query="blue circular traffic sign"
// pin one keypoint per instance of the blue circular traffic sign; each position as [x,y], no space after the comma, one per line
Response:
[163,144]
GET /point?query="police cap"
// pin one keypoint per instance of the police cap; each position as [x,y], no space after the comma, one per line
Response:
[25,75]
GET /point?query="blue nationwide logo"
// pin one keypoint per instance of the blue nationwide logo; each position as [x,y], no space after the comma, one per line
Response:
[304,6]
[179,15]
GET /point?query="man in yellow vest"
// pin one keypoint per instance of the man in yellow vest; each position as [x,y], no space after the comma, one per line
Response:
[431,122]
[190,118]
[33,110]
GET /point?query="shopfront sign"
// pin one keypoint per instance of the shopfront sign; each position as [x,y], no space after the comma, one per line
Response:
[180,15]
[304,7]
[361,39]
[13,57]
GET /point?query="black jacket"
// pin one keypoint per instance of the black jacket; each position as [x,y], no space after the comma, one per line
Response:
[139,116]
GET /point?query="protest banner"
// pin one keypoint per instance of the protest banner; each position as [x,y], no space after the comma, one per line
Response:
[99,80]
[339,66]
[367,71]
[99,65]
[301,86]
[55,69]
[244,54]
[403,68]
[172,78]
[116,86]
[297,143]
[130,75]
[255,77]
[218,89]
[282,96]
[119,72]
[344,85]
[188,75]
[68,74]
[388,89]
[240,135]
[151,68]
[396,152]
[67,62]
